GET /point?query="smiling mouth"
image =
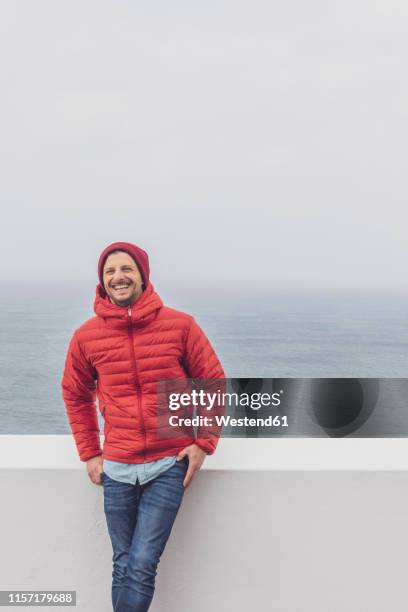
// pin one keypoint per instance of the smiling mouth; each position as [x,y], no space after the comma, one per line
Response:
[120,287]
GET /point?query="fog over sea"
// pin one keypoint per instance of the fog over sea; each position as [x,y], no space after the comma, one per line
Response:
[343,335]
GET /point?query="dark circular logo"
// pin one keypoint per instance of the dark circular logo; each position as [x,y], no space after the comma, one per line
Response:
[341,405]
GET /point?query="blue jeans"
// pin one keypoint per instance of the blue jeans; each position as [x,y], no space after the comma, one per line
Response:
[140,519]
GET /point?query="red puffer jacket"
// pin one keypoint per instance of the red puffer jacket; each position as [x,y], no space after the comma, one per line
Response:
[119,356]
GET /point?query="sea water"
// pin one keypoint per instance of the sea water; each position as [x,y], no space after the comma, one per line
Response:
[266,336]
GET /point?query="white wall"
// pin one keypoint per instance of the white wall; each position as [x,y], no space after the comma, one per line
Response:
[287,541]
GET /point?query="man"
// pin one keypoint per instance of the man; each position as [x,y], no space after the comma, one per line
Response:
[118,356]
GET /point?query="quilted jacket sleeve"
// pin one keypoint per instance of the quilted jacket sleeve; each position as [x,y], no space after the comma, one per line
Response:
[79,393]
[202,362]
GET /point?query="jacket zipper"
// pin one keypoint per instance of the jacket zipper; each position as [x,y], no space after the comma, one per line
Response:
[137,382]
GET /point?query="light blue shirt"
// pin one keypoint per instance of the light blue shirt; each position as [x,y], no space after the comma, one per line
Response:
[133,472]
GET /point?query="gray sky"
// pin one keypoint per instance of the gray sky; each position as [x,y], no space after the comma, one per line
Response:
[245,145]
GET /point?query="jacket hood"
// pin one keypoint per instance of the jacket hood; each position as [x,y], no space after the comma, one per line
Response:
[141,312]
[139,255]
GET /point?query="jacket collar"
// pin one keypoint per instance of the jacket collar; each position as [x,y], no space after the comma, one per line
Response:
[143,311]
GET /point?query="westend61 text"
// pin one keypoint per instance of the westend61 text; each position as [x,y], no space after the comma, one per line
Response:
[225,421]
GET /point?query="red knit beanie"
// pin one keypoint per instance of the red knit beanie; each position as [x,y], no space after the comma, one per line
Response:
[139,255]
